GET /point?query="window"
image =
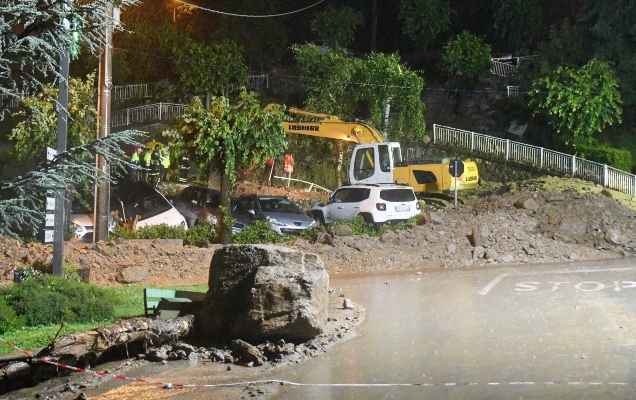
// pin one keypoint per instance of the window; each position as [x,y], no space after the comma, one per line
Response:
[363,163]
[359,194]
[385,163]
[341,196]
[397,195]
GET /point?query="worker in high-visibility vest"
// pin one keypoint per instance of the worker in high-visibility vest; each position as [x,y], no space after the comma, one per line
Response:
[155,167]
[133,173]
[164,158]
[184,168]
[145,163]
[288,167]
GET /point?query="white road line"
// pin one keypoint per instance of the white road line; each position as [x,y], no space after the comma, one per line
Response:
[491,285]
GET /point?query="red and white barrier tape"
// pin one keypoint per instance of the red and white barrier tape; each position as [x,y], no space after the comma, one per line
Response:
[169,385]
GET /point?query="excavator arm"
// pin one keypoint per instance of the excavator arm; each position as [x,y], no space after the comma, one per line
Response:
[332,127]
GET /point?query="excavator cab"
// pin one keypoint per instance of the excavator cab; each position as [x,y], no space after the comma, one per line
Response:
[374,162]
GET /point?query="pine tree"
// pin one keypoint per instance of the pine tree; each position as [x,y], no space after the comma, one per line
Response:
[34,33]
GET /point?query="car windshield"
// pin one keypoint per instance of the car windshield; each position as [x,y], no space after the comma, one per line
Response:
[279,206]
[397,195]
[147,207]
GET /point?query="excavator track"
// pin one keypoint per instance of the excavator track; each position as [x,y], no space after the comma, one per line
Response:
[440,201]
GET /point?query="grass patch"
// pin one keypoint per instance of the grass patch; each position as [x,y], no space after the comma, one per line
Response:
[131,304]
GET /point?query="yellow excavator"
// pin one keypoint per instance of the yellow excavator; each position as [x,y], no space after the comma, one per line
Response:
[376,160]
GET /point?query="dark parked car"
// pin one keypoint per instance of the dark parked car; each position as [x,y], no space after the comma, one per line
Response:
[283,215]
[199,203]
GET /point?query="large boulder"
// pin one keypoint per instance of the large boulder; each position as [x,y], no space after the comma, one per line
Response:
[264,292]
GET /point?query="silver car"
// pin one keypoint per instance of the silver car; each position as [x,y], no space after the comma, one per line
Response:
[283,215]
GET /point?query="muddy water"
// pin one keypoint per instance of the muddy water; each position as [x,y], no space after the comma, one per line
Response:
[516,332]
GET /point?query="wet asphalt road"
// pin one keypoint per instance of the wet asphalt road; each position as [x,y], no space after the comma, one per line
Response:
[556,331]
[565,331]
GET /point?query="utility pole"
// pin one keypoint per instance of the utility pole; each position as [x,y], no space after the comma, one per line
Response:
[102,187]
[374,26]
[60,197]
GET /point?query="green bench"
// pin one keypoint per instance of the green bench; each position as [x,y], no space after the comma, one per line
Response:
[170,303]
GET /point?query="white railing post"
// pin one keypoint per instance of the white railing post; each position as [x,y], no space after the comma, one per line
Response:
[573,165]
[507,148]
[472,141]
[159,111]
[634,185]
[605,175]
[127,117]
[434,130]
[541,157]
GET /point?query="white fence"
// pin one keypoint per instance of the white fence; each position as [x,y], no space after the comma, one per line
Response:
[509,66]
[138,91]
[158,111]
[310,184]
[258,81]
[537,157]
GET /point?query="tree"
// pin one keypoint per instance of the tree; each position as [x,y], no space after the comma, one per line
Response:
[401,87]
[607,28]
[337,25]
[209,68]
[465,59]
[228,137]
[344,86]
[35,33]
[515,21]
[424,19]
[329,81]
[38,128]
[579,102]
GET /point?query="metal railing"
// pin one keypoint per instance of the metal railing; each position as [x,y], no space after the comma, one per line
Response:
[514,91]
[538,157]
[311,185]
[138,91]
[257,81]
[511,65]
[158,111]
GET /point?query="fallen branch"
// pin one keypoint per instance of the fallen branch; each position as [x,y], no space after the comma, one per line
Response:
[90,348]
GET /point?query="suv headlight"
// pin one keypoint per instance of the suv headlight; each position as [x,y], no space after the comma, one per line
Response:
[273,221]
[314,224]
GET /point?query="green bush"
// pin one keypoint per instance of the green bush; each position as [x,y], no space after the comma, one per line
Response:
[200,235]
[604,154]
[259,232]
[360,227]
[8,319]
[50,299]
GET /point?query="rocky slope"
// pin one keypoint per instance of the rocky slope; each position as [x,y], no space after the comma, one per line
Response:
[548,220]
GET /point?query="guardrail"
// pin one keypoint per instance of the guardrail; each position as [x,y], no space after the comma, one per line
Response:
[158,111]
[311,185]
[511,65]
[138,90]
[257,81]
[538,157]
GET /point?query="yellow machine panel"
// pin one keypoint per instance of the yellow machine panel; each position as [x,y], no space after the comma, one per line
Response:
[434,177]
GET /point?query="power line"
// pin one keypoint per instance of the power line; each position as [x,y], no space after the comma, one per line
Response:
[246,15]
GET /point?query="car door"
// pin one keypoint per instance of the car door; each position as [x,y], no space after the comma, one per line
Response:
[336,209]
[351,208]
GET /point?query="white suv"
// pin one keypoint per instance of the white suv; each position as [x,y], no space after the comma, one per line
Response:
[378,204]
